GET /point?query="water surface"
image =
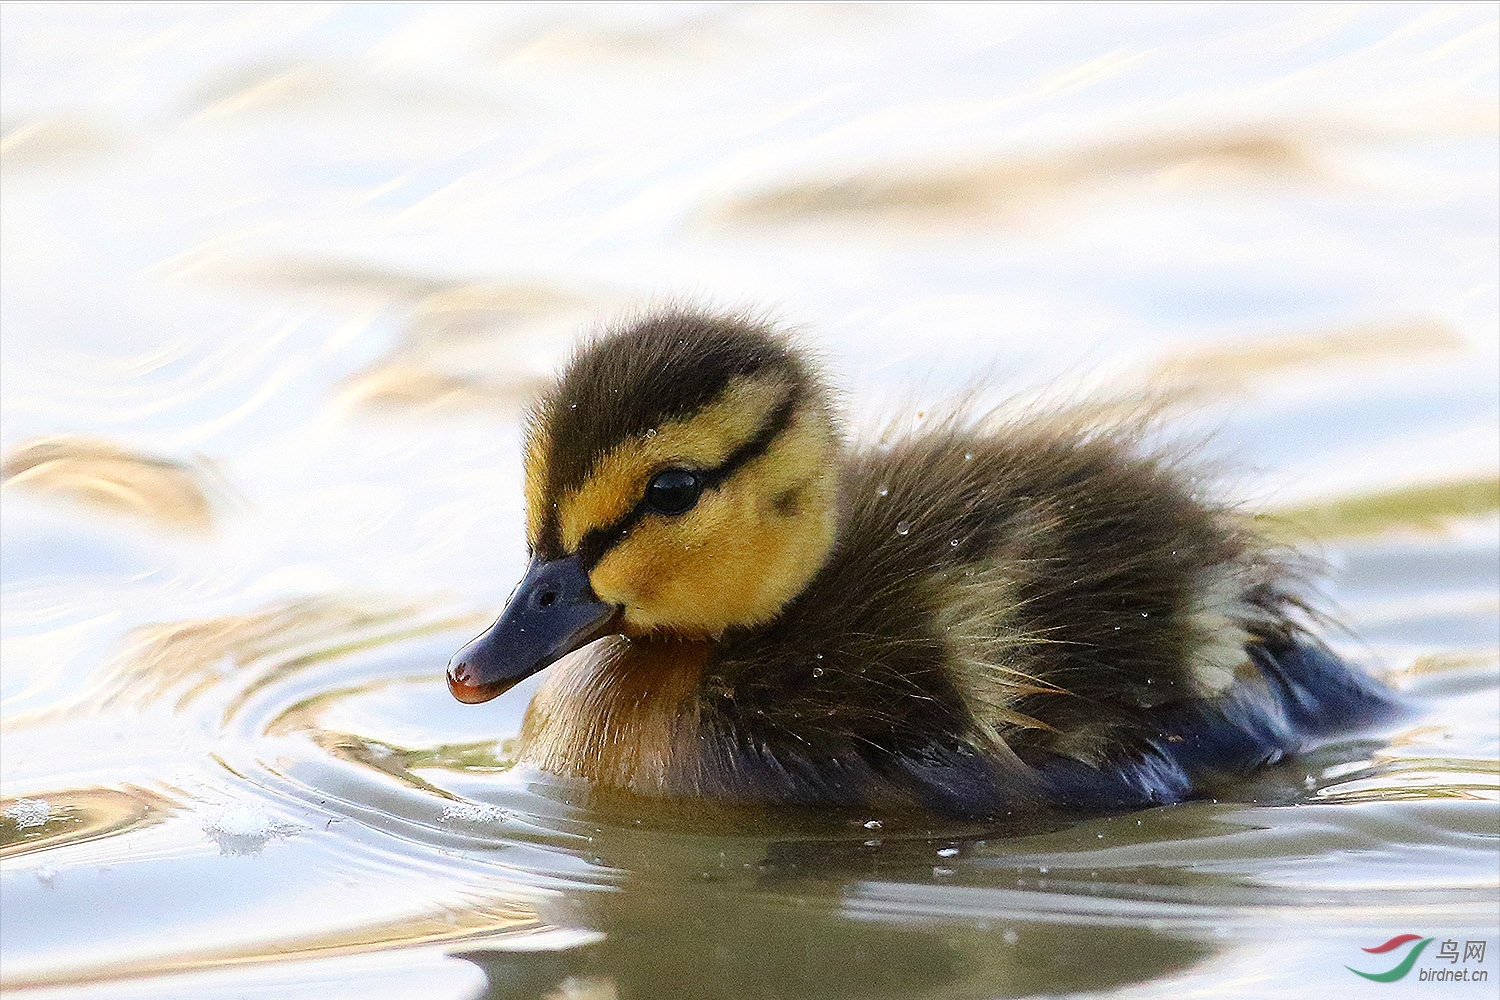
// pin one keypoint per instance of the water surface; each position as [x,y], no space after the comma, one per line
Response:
[277,281]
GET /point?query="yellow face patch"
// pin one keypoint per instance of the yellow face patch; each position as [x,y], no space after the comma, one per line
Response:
[699,441]
[618,479]
[538,443]
[749,544]
[742,552]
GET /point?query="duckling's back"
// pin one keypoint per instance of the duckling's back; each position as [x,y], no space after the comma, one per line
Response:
[1039,614]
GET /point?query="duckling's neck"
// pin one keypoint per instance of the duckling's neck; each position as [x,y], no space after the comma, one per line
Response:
[622,713]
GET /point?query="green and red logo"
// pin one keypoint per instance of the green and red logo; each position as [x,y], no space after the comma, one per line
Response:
[1402,967]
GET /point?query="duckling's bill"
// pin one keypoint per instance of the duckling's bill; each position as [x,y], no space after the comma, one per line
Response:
[552,612]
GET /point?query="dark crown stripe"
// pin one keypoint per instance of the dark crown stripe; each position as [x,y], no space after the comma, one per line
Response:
[664,368]
[598,541]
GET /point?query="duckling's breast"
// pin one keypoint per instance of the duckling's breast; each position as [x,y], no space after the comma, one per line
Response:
[622,713]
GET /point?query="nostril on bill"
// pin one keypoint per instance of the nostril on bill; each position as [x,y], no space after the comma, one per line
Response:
[547,599]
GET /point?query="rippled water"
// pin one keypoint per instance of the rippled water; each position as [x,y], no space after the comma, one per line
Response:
[276,280]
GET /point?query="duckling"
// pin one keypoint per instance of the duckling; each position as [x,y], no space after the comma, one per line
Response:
[969,620]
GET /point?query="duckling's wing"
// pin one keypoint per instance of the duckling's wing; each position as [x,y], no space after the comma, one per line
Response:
[1303,695]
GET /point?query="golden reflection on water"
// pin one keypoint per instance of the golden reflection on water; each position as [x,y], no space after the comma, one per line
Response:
[1226,367]
[1428,508]
[457,347]
[190,657]
[405,386]
[304,87]
[469,920]
[56,142]
[102,474]
[1012,187]
[51,819]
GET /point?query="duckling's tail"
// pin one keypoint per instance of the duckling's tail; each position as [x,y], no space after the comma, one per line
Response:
[1304,695]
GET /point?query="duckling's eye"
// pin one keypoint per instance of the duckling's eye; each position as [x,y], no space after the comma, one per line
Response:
[673,491]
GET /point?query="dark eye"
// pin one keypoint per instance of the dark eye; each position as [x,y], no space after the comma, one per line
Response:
[673,491]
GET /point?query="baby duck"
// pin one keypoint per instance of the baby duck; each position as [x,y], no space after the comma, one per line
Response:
[965,621]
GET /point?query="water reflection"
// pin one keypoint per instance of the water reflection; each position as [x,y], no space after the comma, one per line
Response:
[547,888]
[161,491]
[52,142]
[458,347]
[1015,187]
[713,941]
[52,819]
[498,924]
[189,658]
[334,249]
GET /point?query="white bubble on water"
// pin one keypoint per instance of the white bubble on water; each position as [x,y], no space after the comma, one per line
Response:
[29,813]
[474,812]
[245,828]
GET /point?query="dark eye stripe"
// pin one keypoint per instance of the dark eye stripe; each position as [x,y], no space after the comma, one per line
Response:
[599,541]
[757,445]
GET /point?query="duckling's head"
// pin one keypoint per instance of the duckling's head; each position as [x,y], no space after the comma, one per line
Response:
[681,478]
